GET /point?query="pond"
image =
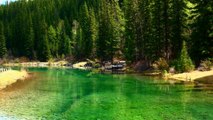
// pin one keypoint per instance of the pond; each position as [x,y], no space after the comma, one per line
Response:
[56,94]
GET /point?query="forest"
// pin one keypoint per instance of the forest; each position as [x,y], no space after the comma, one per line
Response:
[133,30]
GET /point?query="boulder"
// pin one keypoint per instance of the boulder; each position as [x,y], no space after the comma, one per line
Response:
[141,66]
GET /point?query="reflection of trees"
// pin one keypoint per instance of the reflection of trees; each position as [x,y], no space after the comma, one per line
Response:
[57,91]
[185,97]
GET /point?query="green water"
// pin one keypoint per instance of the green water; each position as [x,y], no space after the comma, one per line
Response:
[57,94]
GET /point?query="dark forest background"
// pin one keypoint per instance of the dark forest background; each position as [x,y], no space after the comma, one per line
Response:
[105,29]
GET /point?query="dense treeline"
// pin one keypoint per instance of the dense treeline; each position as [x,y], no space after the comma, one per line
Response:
[106,29]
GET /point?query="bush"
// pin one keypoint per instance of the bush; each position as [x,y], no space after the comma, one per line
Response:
[161,64]
[205,65]
[184,63]
[164,73]
[23,59]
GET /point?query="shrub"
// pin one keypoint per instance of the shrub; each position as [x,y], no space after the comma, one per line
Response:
[205,65]
[16,60]
[164,73]
[161,64]
[184,63]
[23,59]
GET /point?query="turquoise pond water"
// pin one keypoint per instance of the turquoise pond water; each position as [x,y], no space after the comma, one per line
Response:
[67,94]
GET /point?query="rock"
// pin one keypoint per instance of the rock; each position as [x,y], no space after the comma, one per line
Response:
[172,70]
[141,66]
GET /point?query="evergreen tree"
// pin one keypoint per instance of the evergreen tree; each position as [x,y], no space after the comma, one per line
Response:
[202,32]
[78,43]
[116,18]
[129,45]
[152,29]
[60,36]
[86,31]
[147,40]
[3,49]
[157,30]
[103,33]
[43,50]
[52,38]
[178,26]
[184,63]
[93,30]
[66,46]
[29,42]
[110,29]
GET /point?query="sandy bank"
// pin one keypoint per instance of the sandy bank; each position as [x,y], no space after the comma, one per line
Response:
[10,77]
[80,65]
[191,76]
[38,64]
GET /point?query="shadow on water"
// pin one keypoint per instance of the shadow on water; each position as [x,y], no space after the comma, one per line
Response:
[205,80]
[204,84]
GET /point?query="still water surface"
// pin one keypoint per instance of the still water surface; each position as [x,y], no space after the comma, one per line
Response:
[57,94]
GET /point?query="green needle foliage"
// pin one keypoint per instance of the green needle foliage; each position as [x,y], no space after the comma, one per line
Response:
[3,49]
[135,30]
[184,63]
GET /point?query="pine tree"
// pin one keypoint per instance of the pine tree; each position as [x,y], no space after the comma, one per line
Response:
[45,55]
[61,32]
[152,29]
[43,50]
[166,30]
[184,63]
[129,45]
[157,30]
[202,33]
[78,43]
[147,40]
[29,42]
[178,26]
[103,33]
[93,30]
[110,30]
[66,46]
[116,18]
[52,38]
[86,31]
[3,49]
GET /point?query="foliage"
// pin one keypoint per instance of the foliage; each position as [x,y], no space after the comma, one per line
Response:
[206,64]
[3,49]
[161,64]
[164,73]
[23,59]
[202,33]
[138,30]
[52,37]
[184,63]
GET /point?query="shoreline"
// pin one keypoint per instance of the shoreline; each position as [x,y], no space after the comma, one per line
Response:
[186,77]
[12,76]
[80,65]
[38,64]
[190,76]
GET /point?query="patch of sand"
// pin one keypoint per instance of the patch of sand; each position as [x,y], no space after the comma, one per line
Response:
[10,77]
[80,65]
[37,64]
[191,76]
